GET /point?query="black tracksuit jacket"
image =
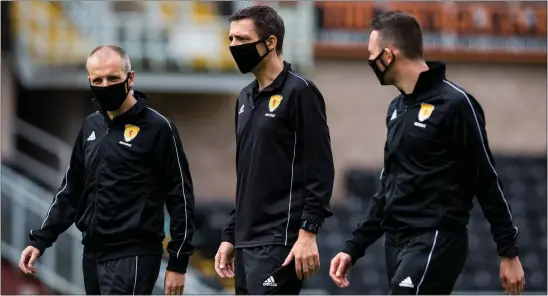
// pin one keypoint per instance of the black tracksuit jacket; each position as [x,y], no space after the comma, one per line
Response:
[121,174]
[436,159]
[284,162]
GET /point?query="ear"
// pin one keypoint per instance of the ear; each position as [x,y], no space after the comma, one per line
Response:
[131,78]
[389,54]
[272,42]
[89,80]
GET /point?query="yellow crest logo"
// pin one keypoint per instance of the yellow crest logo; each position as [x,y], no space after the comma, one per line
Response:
[274,102]
[130,132]
[425,111]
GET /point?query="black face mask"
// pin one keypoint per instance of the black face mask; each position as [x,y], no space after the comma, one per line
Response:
[246,55]
[381,75]
[111,97]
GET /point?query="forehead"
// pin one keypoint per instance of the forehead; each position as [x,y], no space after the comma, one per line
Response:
[243,27]
[104,62]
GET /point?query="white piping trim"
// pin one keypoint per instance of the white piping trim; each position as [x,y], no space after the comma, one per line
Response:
[55,198]
[291,187]
[299,77]
[136,268]
[182,177]
[427,262]
[292,169]
[485,150]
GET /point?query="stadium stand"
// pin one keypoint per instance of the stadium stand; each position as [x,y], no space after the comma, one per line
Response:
[524,180]
[167,38]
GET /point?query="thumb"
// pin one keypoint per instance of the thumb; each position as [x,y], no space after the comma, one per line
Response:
[288,259]
[334,265]
[33,257]
[222,261]
[341,270]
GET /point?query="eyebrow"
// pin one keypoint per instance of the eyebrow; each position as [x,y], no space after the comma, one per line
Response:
[110,76]
[230,37]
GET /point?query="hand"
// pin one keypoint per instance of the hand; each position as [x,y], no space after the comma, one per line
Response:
[305,253]
[340,265]
[174,283]
[511,275]
[28,257]
[224,260]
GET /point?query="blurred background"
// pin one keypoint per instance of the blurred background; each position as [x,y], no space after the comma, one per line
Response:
[179,50]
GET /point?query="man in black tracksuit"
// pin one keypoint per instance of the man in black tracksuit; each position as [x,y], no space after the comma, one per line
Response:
[284,165]
[127,163]
[436,158]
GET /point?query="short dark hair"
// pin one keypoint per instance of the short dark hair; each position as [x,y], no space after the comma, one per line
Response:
[401,30]
[266,20]
[126,63]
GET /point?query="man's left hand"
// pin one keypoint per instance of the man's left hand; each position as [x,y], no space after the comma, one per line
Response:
[305,253]
[174,283]
[512,276]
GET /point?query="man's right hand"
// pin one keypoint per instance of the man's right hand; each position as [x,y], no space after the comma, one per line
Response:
[340,265]
[224,260]
[28,257]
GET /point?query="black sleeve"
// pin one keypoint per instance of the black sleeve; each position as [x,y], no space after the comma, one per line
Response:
[319,171]
[179,198]
[228,232]
[62,212]
[470,129]
[370,229]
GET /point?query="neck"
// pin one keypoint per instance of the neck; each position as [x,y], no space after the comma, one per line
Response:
[129,102]
[269,71]
[409,75]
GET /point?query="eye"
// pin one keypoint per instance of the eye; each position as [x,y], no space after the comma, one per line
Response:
[113,78]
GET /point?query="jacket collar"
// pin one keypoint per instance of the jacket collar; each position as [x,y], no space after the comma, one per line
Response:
[275,85]
[128,116]
[428,79]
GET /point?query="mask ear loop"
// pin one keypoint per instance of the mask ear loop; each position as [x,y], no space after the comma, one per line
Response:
[382,61]
[268,50]
[129,88]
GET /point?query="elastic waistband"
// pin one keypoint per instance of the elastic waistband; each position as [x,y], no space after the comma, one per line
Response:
[399,238]
[106,253]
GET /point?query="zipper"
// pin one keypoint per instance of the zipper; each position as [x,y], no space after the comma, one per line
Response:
[99,167]
[393,173]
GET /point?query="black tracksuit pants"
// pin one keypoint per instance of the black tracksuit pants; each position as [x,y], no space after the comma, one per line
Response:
[259,271]
[134,275]
[429,263]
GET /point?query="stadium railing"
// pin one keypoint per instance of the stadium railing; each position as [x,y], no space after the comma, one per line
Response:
[60,268]
[34,166]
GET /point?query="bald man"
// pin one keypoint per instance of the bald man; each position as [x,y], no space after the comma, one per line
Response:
[127,163]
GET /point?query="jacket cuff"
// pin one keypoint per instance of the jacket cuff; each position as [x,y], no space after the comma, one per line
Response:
[312,219]
[227,237]
[38,243]
[178,265]
[509,251]
[353,252]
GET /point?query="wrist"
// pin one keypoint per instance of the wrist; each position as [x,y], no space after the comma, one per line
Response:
[39,244]
[307,234]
